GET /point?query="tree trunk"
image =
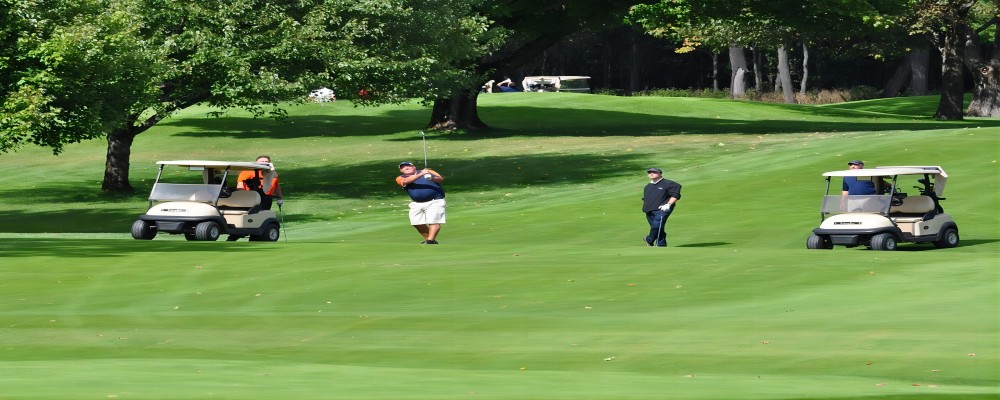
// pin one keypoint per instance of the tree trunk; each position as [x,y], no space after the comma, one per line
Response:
[951,102]
[759,77]
[120,140]
[116,165]
[738,63]
[760,68]
[784,74]
[985,75]
[458,112]
[634,63]
[919,60]
[899,78]
[951,39]
[715,70]
[805,67]
[739,88]
[985,92]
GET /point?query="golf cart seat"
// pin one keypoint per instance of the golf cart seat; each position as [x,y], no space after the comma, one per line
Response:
[240,202]
[913,209]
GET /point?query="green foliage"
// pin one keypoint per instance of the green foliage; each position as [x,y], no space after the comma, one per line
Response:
[844,25]
[72,77]
[82,69]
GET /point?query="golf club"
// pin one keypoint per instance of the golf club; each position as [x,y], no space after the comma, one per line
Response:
[424,138]
[281,215]
[658,230]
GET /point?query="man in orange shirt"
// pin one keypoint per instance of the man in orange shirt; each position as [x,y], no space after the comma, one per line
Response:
[254,180]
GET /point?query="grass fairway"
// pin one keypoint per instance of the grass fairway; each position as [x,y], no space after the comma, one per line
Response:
[541,288]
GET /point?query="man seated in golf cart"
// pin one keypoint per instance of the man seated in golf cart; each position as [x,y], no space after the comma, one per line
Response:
[856,187]
[264,183]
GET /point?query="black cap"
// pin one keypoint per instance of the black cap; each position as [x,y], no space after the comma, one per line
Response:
[856,162]
[404,163]
[657,170]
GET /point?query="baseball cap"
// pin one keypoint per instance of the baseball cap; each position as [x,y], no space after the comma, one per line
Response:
[404,163]
[657,170]
[856,162]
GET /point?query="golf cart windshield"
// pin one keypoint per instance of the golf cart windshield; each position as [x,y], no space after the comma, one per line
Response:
[185,192]
[836,204]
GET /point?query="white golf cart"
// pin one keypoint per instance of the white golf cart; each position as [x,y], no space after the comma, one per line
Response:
[561,83]
[202,207]
[883,220]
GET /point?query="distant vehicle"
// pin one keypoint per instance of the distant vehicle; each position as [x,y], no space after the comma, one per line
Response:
[883,220]
[561,83]
[201,207]
[322,95]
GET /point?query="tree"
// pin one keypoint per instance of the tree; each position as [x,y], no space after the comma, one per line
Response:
[761,25]
[678,21]
[946,22]
[87,68]
[71,71]
[520,30]
[983,62]
[694,25]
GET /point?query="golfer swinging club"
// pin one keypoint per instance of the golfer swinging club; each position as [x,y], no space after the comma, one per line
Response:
[427,210]
[658,202]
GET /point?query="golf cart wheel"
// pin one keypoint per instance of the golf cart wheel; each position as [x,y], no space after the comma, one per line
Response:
[271,234]
[949,239]
[817,242]
[143,230]
[208,230]
[884,241]
[190,236]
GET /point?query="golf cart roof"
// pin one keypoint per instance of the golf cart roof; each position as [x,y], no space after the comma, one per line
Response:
[555,77]
[230,165]
[890,171]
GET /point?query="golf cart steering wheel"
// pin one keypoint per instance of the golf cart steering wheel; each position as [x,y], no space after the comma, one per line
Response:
[225,192]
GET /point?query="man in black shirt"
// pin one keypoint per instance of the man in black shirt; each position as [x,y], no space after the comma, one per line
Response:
[659,199]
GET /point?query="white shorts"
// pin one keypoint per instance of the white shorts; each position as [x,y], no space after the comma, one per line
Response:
[430,212]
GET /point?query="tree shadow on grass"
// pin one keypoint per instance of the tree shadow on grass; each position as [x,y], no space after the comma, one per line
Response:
[75,220]
[377,180]
[538,121]
[89,248]
[372,181]
[82,220]
[294,127]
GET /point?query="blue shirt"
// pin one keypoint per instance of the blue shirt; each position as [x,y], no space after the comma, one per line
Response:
[853,186]
[424,190]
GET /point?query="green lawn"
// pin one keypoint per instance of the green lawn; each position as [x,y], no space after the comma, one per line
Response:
[541,288]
